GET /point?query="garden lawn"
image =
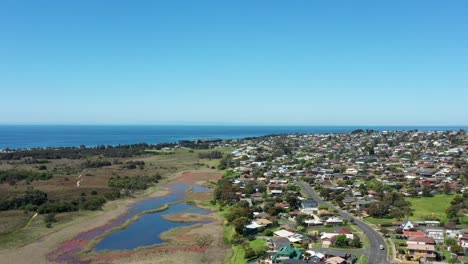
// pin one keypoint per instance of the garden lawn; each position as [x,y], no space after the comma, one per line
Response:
[380,221]
[238,255]
[258,244]
[430,206]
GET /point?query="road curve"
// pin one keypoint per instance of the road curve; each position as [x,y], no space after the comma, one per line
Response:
[376,255]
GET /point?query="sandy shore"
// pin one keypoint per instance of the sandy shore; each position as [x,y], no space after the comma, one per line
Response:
[36,252]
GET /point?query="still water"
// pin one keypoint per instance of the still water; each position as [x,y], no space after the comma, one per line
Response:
[147,229]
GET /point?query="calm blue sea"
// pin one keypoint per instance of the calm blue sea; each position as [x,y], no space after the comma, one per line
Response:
[30,136]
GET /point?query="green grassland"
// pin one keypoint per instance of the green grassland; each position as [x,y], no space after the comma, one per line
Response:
[430,206]
[13,220]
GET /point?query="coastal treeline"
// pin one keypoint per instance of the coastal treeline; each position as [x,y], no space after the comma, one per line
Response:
[121,151]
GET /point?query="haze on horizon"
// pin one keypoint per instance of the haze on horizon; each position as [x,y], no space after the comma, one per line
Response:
[240,62]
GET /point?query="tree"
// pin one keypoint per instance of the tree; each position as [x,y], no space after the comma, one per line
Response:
[239,224]
[249,189]
[378,209]
[384,230]
[49,219]
[453,260]
[447,188]
[456,249]
[426,191]
[293,201]
[325,193]
[341,241]
[250,253]
[356,242]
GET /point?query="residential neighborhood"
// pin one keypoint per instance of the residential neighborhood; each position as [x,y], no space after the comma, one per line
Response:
[409,187]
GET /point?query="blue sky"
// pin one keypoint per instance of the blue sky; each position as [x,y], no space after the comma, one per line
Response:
[234,62]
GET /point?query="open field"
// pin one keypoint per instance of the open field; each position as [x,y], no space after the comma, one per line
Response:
[422,207]
[11,221]
[430,206]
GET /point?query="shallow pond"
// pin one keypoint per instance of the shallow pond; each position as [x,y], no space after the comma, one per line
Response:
[198,189]
[147,229]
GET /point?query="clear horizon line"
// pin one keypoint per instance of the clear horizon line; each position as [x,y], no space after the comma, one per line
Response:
[228,124]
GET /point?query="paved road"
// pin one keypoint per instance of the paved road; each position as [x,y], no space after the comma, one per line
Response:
[376,255]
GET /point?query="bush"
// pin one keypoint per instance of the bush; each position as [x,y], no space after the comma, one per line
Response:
[93,203]
[49,219]
[96,163]
[20,175]
[250,253]
[112,195]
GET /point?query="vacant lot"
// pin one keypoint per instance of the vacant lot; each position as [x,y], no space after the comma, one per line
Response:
[430,206]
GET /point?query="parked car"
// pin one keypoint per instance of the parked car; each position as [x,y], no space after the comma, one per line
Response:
[381,247]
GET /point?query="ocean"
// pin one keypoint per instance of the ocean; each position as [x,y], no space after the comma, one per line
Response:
[33,136]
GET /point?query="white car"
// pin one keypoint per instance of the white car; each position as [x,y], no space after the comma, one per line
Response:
[381,247]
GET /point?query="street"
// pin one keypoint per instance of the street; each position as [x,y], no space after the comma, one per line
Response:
[376,255]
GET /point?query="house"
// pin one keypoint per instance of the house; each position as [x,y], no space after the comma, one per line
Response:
[313,222]
[464,241]
[286,252]
[264,222]
[315,256]
[436,234]
[324,212]
[343,231]
[308,203]
[417,251]
[299,261]
[309,206]
[421,240]
[258,223]
[292,237]
[336,260]
[432,223]
[334,221]
[326,238]
[276,243]
[408,233]
[276,192]
[406,225]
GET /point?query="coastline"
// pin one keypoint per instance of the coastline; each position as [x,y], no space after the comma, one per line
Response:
[43,136]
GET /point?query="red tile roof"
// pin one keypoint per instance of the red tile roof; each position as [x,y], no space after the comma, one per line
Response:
[408,233]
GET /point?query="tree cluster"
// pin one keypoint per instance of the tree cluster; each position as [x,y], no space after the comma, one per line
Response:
[458,206]
[29,198]
[392,204]
[211,155]
[121,151]
[96,163]
[13,176]
[341,241]
[133,183]
[133,164]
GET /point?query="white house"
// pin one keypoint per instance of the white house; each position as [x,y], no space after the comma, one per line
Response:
[333,221]
[406,225]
